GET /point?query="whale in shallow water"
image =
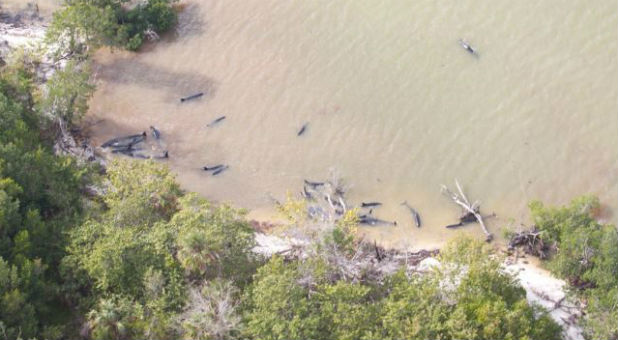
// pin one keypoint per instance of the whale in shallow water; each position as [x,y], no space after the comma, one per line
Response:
[214,122]
[306,193]
[220,170]
[193,96]
[213,168]
[367,220]
[468,48]
[415,215]
[302,129]
[126,141]
[164,155]
[314,184]
[155,133]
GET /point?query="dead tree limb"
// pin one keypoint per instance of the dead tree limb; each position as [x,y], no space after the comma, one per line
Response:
[473,209]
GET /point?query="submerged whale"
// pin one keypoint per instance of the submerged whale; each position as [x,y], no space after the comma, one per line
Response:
[213,168]
[468,48]
[415,215]
[155,133]
[214,122]
[302,129]
[193,96]
[367,220]
[306,193]
[314,184]
[126,141]
[220,170]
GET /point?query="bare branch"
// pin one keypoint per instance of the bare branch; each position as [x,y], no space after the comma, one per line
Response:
[462,201]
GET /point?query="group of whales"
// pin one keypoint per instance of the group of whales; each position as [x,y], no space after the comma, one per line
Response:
[368,219]
[365,218]
[126,145]
[131,145]
[215,169]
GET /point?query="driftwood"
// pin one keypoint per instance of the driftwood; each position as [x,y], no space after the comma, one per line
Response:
[531,242]
[471,211]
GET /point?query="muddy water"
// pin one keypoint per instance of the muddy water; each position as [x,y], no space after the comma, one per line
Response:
[393,103]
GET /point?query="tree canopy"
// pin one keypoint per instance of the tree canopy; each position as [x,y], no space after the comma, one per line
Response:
[116,23]
[586,256]
[468,297]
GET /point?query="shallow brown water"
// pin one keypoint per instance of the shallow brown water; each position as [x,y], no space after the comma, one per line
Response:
[394,104]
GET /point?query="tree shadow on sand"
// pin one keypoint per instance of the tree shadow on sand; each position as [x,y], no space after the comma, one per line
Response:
[173,84]
[190,22]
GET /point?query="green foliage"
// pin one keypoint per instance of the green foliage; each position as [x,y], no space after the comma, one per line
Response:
[83,22]
[17,314]
[40,200]
[348,311]
[68,92]
[116,258]
[131,239]
[414,309]
[586,256]
[280,308]
[109,22]
[152,243]
[344,233]
[491,302]
[116,317]
[468,298]
[213,241]
[140,193]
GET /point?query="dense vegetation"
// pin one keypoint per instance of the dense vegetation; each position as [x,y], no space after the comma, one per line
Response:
[120,23]
[138,258]
[586,255]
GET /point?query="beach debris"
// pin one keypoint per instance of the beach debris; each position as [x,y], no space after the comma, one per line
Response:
[193,96]
[370,204]
[532,243]
[471,211]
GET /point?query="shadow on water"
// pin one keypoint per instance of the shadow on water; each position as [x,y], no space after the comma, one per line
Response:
[174,84]
[190,23]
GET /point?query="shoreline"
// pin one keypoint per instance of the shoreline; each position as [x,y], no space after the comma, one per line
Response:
[536,278]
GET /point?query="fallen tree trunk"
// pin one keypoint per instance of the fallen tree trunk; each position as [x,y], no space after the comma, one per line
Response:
[471,210]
